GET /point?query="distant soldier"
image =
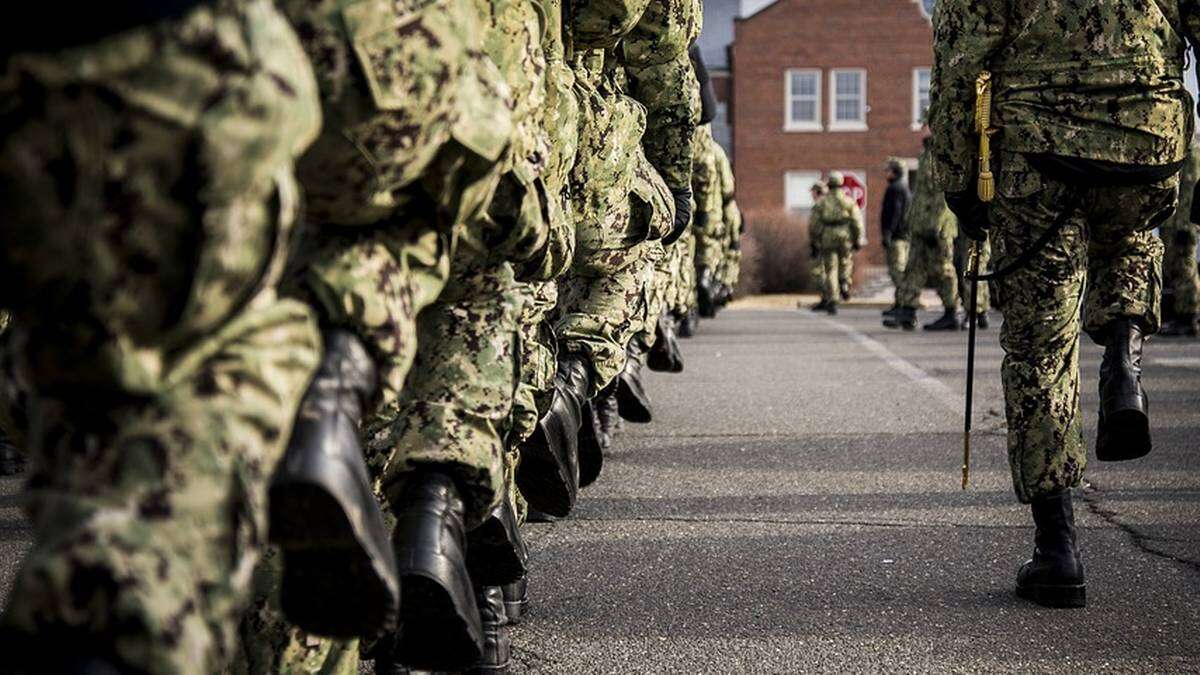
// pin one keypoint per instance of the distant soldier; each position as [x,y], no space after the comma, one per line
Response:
[818,190]
[893,228]
[931,229]
[1089,176]
[1179,256]
[840,221]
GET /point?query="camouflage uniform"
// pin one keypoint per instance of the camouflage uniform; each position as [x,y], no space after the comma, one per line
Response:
[932,229]
[962,250]
[164,388]
[708,218]
[1114,71]
[732,265]
[1179,236]
[837,222]
[602,301]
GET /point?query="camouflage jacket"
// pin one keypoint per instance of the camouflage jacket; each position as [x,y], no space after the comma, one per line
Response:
[1096,80]
[732,214]
[653,37]
[837,209]
[926,218]
[708,216]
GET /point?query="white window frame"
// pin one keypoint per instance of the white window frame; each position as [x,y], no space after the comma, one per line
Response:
[806,178]
[803,125]
[916,95]
[847,125]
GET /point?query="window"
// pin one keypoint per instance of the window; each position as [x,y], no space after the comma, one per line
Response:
[802,100]
[797,186]
[920,96]
[848,102]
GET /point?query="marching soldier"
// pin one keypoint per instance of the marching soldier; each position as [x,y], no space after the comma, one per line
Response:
[1179,236]
[1078,188]
[838,221]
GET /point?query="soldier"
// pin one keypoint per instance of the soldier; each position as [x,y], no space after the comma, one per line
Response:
[1091,177]
[818,190]
[708,221]
[735,227]
[893,224]
[147,197]
[932,229]
[1179,256]
[838,221]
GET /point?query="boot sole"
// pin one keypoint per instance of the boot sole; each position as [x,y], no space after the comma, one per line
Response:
[331,584]
[492,560]
[435,633]
[541,481]
[1123,435]
[1058,597]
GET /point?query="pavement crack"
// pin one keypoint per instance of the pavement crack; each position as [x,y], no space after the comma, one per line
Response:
[1093,498]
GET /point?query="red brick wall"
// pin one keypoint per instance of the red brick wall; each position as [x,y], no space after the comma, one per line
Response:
[887,38]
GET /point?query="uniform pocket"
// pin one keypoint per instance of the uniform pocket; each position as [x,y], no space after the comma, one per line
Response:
[1015,176]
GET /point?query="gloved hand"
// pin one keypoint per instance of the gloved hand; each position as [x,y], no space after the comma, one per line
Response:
[683,214]
[812,250]
[971,212]
[857,246]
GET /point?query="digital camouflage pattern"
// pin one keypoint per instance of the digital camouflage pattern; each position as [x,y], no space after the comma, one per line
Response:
[160,408]
[962,250]
[1106,261]
[1179,237]
[931,262]
[1114,74]
[932,229]
[898,253]
[837,221]
[1094,80]
[708,216]
[731,267]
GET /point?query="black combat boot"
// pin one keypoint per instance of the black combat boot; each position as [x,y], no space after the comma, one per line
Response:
[844,289]
[981,321]
[497,649]
[496,552]
[821,306]
[689,323]
[725,295]
[664,356]
[548,474]
[12,461]
[608,416]
[1123,431]
[706,293]
[903,317]
[339,573]
[831,308]
[591,452]
[1181,325]
[948,321]
[516,600]
[632,400]
[890,311]
[439,619]
[1054,576]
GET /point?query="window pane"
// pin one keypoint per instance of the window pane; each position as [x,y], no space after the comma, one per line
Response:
[847,83]
[847,109]
[804,111]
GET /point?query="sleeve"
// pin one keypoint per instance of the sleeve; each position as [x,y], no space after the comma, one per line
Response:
[966,34]
[662,79]
[856,223]
[600,24]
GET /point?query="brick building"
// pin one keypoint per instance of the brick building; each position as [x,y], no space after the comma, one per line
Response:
[822,85]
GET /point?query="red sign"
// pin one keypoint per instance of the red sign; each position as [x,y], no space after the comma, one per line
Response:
[856,188]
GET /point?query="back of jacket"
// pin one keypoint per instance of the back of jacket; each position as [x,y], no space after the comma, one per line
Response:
[1098,79]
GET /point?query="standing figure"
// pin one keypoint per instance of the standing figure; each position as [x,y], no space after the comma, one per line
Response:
[839,222]
[1180,275]
[1090,177]
[893,226]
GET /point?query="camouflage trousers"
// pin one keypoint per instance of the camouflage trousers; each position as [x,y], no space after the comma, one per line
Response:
[1179,268]
[681,293]
[731,267]
[930,263]
[164,514]
[962,249]
[1105,262]
[837,262]
[897,260]
[710,249]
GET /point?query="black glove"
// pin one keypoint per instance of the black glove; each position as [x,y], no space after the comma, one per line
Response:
[812,250]
[972,213]
[1183,238]
[683,214]
[1194,216]
[856,246]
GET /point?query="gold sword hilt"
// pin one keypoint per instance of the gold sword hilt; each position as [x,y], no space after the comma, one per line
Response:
[986,184]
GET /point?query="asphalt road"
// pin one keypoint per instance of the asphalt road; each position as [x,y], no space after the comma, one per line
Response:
[795,507]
